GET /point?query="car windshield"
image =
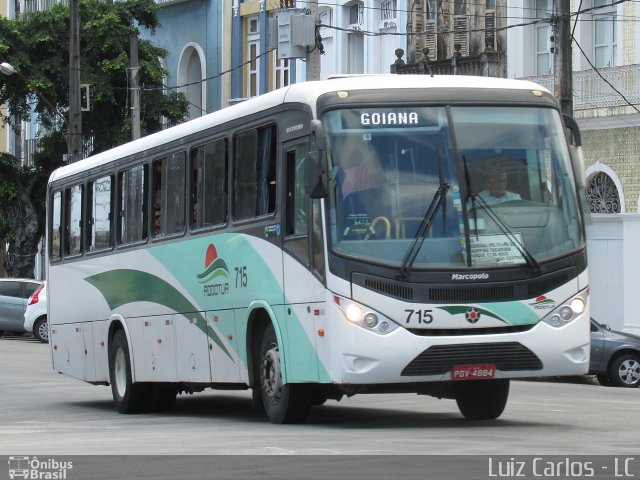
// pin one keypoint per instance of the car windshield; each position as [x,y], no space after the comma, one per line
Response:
[436,187]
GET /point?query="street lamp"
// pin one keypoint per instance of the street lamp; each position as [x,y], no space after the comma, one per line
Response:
[8,70]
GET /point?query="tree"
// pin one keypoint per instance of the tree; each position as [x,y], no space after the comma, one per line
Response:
[35,44]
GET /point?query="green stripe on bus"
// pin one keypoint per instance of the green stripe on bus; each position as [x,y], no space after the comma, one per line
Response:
[124,286]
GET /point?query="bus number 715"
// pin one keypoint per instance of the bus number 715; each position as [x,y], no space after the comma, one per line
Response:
[423,316]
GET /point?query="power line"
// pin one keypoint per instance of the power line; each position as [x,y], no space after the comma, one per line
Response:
[480,3]
[218,75]
[407,34]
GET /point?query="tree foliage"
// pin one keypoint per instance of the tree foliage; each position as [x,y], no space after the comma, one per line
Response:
[36,45]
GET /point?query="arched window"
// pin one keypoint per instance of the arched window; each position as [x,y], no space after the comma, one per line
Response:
[191,68]
[602,194]
[194,86]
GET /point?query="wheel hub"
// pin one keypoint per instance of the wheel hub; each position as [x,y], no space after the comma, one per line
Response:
[272,375]
[43,331]
[120,373]
[630,371]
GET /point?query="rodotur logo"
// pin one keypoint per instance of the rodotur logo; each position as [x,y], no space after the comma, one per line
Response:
[214,267]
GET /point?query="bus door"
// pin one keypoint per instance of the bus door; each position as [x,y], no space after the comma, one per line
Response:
[303,264]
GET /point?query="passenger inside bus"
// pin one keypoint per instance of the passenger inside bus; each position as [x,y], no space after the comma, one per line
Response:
[360,183]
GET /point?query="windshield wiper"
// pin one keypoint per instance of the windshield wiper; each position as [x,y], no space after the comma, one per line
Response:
[504,228]
[425,224]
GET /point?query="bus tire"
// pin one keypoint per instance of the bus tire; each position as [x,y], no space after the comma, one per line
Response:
[482,399]
[283,403]
[128,397]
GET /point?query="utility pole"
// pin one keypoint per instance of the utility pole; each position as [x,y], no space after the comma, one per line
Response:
[313,56]
[563,80]
[75,112]
[135,89]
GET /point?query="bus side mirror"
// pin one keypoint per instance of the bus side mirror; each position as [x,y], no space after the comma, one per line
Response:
[575,149]
[577,164]
[572,131]
[316,175]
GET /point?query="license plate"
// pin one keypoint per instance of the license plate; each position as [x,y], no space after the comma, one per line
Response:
[473,372]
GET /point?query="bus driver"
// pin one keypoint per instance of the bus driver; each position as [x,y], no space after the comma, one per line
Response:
[496,191]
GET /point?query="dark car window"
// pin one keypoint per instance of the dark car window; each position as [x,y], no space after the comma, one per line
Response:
[593,327]
[10,289]
[29,288]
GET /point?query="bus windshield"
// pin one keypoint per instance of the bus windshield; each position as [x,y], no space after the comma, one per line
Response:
[451,187]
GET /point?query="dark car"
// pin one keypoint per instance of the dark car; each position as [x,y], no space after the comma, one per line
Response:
[14,295]
[615,356]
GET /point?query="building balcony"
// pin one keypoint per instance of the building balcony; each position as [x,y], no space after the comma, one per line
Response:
[591,92]
[27,6]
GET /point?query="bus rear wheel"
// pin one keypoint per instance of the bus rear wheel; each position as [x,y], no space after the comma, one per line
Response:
[128,397]
[283,403]
[482,399]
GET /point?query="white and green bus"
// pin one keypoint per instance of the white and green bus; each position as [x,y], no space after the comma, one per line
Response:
[329,238]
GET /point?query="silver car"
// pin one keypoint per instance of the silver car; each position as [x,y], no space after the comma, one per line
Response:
[615,356]
[14,295]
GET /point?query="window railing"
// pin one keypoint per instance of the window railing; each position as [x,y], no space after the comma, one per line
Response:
[388,10]
[27,6]
[590,91]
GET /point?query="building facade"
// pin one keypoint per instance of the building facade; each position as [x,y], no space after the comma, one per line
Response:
[606,87]
[197,35]
[361,36]
[354,36]
[457,37]
[606,101]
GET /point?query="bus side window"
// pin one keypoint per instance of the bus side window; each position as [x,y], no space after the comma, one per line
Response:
[296,192]
[209,184]
[169,195]
[133,205]
[317,245]
[156,215]
[73,221]
[255,173]
[55,246]
[296,211]
[99,205]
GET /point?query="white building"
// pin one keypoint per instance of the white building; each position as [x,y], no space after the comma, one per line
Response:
[361,36]
[606,101]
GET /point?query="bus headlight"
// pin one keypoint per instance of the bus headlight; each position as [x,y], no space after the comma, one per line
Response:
[568,311]
[370,320]
[364,317]
[353,312]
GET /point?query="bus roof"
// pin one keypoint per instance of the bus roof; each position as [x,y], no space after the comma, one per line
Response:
[304,92]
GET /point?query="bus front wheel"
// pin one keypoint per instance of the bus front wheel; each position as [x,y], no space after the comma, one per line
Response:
[283,403]
[128,397]
[482,399]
